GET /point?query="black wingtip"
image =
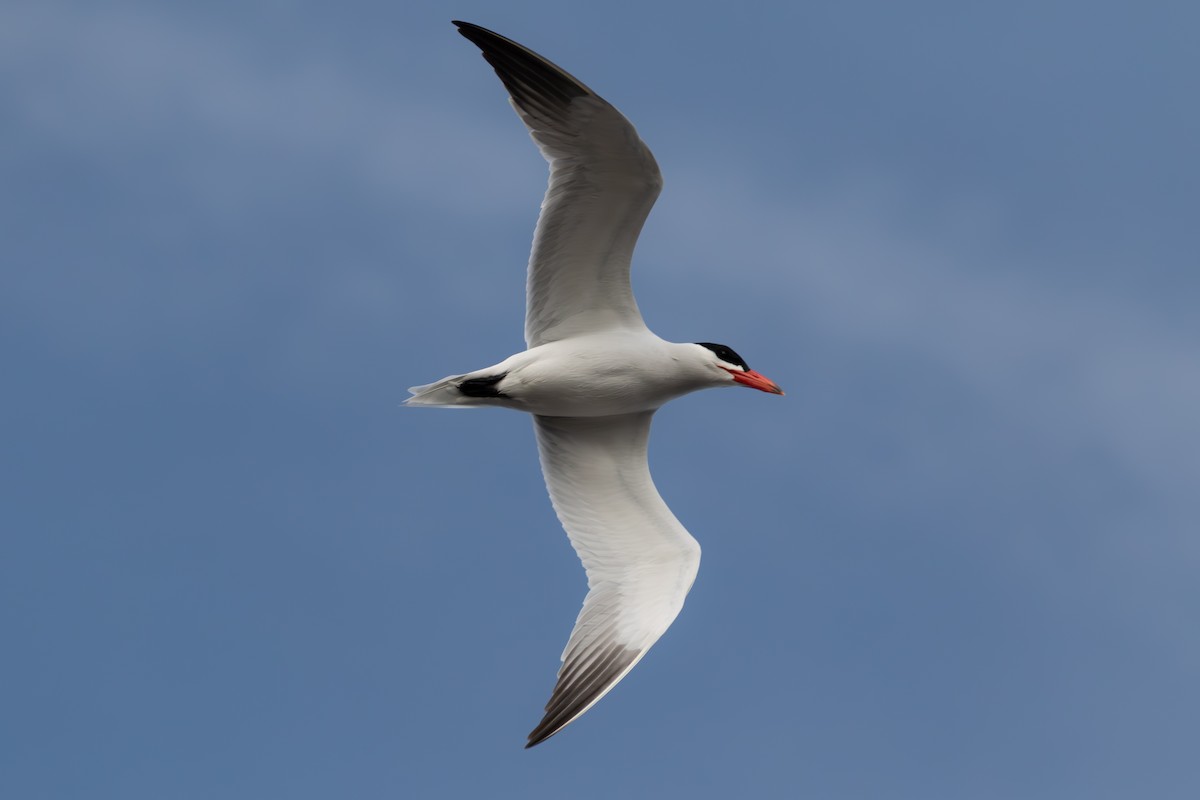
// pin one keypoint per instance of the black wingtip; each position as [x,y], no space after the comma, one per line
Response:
[536,85]
[486,39]
[475,32]
[472,32]
[580,684]
[539,736]
[534,741]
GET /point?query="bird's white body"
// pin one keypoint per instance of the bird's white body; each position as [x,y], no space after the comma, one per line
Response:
[598,375]
[593,376]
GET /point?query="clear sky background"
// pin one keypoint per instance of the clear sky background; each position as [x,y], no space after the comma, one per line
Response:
[958,560]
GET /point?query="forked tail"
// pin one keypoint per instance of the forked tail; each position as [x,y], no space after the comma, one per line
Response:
[458,390]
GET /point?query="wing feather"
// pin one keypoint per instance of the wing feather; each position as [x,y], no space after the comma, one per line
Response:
[603,183]
[640,561]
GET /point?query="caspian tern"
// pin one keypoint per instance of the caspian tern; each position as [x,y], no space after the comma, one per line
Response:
[593,376]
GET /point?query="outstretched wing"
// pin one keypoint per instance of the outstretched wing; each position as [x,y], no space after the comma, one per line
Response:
[640,561]
[603,182]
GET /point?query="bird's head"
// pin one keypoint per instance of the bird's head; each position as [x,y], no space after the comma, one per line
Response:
[734,368]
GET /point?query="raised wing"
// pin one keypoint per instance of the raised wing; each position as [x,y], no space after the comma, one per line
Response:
[603,182]
[640,561]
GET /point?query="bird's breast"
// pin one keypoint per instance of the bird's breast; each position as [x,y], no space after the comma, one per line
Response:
[592,379]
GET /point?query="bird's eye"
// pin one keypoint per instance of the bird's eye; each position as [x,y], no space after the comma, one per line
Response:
[726,354]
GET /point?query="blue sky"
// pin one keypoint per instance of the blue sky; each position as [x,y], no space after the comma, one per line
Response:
[958,560]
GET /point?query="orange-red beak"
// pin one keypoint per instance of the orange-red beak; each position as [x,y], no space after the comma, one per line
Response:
[755,380]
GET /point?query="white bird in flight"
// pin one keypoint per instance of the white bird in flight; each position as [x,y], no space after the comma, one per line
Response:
[593,376]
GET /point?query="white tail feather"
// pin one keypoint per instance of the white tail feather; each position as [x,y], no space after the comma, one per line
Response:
[445,394]
[439,393]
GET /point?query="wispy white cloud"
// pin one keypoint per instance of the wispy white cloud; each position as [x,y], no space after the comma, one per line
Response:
[235,138]
[1073,363]
[102,80]
[1076,368]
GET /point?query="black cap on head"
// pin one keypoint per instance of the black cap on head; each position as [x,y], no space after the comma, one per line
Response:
[726,354]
